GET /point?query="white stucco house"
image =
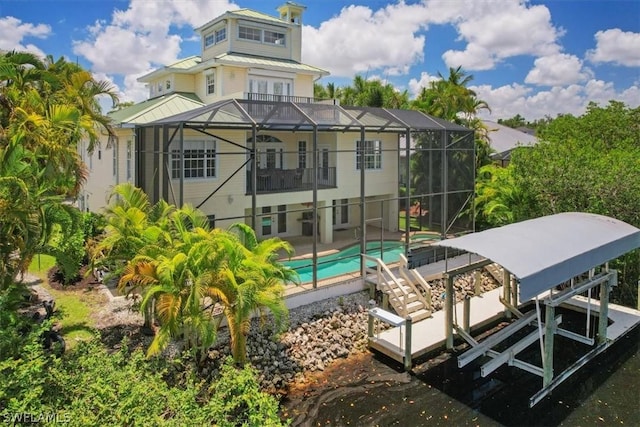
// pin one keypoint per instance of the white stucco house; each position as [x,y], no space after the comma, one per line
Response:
[236,132]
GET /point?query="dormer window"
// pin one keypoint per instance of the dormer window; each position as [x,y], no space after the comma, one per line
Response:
[168,84]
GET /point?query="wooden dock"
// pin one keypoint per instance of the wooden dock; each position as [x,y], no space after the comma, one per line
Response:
[429,334]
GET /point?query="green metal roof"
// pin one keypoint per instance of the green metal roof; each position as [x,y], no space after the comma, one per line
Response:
[156,108]
[186,63]
[253,14]
[282,64]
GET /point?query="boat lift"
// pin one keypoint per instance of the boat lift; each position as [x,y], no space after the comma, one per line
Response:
[537,256]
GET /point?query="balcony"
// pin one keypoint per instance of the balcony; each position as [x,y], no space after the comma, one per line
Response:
[252,96]
[285,180]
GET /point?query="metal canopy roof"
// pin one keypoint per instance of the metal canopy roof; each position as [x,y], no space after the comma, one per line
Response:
[550,250]
[274,115]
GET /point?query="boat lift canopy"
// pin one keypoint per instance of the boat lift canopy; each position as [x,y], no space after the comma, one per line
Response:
[543,253]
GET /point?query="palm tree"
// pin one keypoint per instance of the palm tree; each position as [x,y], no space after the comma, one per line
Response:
[250,281]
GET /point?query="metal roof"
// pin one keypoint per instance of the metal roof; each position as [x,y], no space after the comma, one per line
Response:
[156,108]
[273,115]
[257,61]
[544,252]
[504,139]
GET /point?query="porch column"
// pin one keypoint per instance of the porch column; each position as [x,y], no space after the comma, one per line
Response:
[325,224]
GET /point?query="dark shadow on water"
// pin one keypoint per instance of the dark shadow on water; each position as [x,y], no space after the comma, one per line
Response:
[606,391]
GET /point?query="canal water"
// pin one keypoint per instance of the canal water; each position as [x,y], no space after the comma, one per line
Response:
[374,391]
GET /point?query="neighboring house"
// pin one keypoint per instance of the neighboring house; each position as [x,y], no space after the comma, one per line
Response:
[504,140]
[236,132]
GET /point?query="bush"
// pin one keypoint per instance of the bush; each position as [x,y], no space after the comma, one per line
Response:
[92,387]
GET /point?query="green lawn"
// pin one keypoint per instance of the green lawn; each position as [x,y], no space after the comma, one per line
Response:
[415,225]
[74,306]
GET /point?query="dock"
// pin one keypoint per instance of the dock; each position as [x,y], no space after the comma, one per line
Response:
[430,334]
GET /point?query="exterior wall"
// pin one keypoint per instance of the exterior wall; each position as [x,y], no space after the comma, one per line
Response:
[101,178]
[303,86]
[183,82]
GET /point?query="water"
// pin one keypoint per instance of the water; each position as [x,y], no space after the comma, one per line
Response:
[347,260]
[375,392]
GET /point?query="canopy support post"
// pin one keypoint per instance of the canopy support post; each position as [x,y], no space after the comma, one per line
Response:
[550,331]
[448,304]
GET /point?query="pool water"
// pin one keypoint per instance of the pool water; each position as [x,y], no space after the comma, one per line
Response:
[346,260]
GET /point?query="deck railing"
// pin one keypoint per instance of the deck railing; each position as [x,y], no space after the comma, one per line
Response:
[282,180]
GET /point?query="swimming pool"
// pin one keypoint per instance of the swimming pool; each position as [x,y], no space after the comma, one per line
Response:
[346,260]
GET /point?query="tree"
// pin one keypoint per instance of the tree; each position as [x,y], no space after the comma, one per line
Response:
[589,163]
[250,281]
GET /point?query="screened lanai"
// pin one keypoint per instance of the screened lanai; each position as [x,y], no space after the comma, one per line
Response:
[316,174]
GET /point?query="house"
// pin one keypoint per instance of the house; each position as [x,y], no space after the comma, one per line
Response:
[504,140]
[237,133]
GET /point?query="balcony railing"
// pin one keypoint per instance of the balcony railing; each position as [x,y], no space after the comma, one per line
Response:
[283,180]
[252,96]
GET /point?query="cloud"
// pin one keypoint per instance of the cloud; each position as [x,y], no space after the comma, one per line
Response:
[557,70]
[13,32]
[359,40]
[616,46]
[507,101]
[143,36]
[416,85]
[498,30]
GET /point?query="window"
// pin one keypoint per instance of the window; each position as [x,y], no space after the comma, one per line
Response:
[199,160]
[99,154]
[258,86]
[159,87]
[215,37]
[209,40]
[168,84]
[302,154]
[129,160]
[248,33]
[221,35]
[273,37]
[371,151]
[212,221]
[211,84]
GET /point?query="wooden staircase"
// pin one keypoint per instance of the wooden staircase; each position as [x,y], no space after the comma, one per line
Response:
[400,293]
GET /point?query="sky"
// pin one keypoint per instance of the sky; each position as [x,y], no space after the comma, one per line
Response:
[534,58]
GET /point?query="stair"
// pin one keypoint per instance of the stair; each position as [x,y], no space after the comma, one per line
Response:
[401,293]
[496,271]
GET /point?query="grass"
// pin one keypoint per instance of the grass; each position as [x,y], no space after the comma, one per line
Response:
[73,306]
[415,223]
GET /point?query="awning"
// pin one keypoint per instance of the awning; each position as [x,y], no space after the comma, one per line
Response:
[544,252]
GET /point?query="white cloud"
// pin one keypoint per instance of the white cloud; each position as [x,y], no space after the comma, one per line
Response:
[507,101]
[501,29]
[559,69]
[617,46]
[13,32]
[358,40]
[416,85]
[139,38]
